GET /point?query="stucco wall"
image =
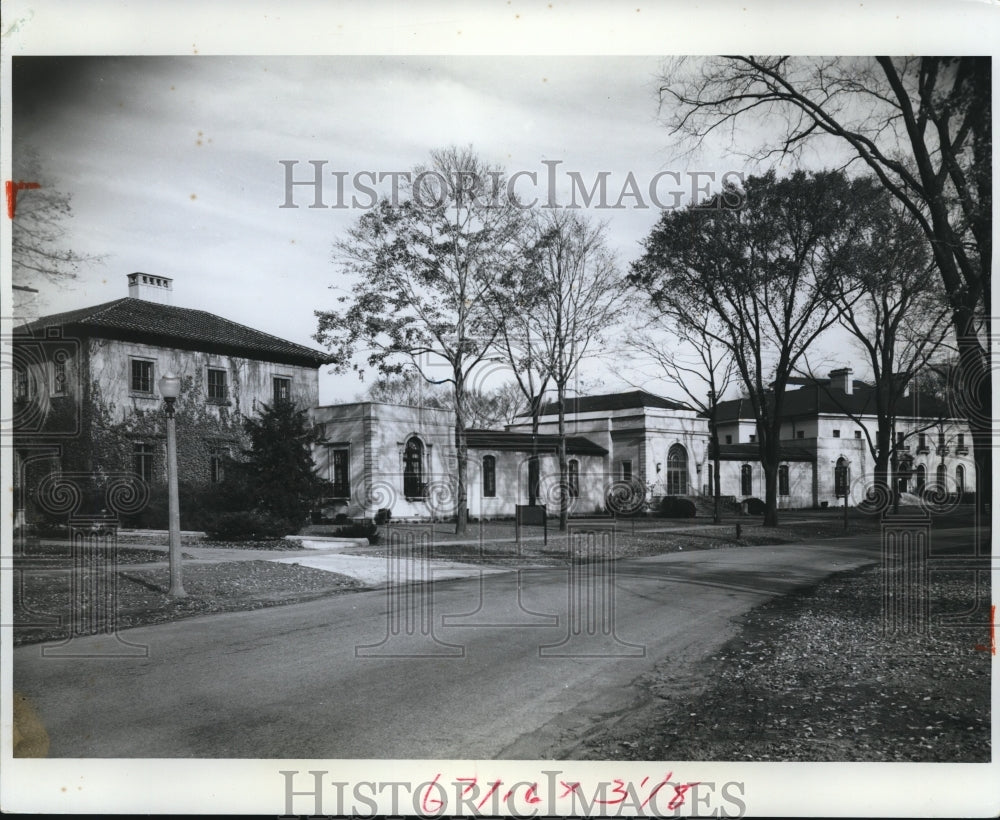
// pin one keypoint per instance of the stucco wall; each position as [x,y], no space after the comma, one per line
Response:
[377,436]
[249,381]
[122,416]
[800,482]
[512,483]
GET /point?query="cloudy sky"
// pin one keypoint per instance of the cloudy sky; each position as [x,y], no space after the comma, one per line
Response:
[173,163]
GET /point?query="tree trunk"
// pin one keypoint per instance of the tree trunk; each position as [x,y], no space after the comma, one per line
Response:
[770,464]
[533,460]
[975,397]
[883,447]
[461,453]
[563,465]
[894,478]
[716,469]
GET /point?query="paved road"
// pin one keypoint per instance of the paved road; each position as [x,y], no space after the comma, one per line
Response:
[324,680]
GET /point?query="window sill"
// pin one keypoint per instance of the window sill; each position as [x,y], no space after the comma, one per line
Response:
[138,394]
[219,402]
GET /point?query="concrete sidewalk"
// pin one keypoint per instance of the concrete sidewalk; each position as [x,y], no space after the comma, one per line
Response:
[369,570]
[376,571]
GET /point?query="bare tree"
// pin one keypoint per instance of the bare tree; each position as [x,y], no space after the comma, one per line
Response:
[39,249]
[421,269]
[581,294]
[889,298]
[761,270]
[407,387]
[515,299]
[922,125]
[485,408]
[694,361]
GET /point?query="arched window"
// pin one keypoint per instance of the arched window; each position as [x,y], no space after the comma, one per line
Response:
[783,488]
[840,473]
[677,470]
[920,476]
[489,476]
[942,478]
[573,476]
[746,480]
[413,468]
[960,478]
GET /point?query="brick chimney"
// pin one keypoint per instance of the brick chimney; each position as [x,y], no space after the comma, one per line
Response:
[841,380]
[151,288]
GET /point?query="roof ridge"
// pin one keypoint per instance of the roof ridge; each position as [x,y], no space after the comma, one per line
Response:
[76,313]
[233,322]
[182,325]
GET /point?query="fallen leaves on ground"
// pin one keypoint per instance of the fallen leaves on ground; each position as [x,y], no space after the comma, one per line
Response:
[812,677]
[45,601]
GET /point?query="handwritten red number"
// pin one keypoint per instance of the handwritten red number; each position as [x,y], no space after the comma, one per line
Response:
[427,797]
[493,788]
[12,189]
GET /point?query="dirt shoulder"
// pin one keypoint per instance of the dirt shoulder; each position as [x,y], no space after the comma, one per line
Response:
[812,677]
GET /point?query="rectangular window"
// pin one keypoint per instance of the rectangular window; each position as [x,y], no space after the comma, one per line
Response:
[489,476]
[800,434]
[59,375]
[627,470]
[217,389]
[340,474]
[961,439]
[746,480]
[836,433]
[216,464]
[941,438]
[142,460]
[142,376]
[753,438]
[900,439]
[857,434]
[783,479]
[729,439]
[282,389]
[922,441]
[20,386]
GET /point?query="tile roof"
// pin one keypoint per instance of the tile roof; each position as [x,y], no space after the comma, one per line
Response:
[632,399]
[169,326]
[507,440]
[818,397]
[751,452]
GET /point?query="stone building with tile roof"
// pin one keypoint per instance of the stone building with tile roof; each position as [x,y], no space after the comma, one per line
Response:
[86,396]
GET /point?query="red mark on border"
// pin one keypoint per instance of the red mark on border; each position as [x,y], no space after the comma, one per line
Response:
[12,189]
[992,648]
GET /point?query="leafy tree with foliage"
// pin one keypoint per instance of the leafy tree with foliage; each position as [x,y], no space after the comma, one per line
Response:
[419,268]
[752,270]
[889,298]
[922,125]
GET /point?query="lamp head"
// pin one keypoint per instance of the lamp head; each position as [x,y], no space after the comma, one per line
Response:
[170,389]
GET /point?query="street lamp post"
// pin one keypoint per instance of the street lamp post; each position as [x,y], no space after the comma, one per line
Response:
[170,389]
